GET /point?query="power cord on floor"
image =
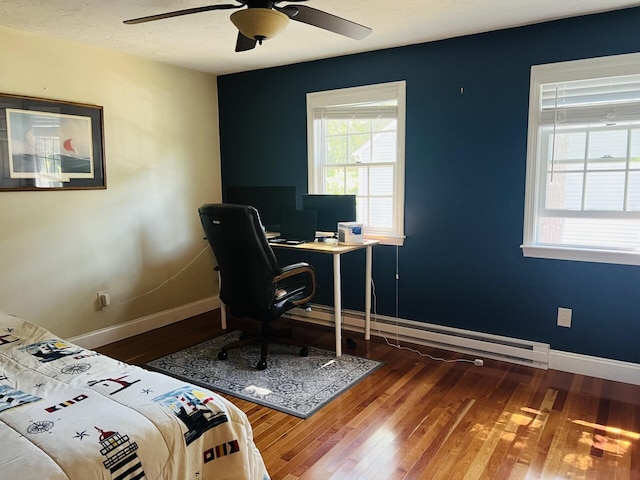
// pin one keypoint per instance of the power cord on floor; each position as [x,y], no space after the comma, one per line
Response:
[477,362]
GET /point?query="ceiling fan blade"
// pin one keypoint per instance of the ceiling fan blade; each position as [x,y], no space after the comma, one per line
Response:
[324,20]
[178,13]
[244,43]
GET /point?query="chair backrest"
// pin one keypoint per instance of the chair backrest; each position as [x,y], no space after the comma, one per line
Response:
[246,262]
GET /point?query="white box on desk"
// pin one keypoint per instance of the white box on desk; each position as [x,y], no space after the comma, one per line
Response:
[350,232]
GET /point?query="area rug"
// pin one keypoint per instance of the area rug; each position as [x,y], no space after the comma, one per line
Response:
[292,384]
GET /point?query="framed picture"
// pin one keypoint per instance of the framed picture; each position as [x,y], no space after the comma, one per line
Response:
[50,145]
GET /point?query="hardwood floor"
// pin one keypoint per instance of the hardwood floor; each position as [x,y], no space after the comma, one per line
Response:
[416,418]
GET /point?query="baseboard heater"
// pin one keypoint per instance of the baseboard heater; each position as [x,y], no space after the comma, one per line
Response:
[475,344]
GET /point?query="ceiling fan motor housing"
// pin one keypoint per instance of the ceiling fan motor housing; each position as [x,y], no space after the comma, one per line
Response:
[259,23]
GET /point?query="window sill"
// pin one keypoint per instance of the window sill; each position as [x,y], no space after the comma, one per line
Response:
[386,239]
[581,254]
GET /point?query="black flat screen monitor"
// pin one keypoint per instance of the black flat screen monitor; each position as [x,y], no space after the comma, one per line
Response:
[298,225]
[270,201]
[331,209]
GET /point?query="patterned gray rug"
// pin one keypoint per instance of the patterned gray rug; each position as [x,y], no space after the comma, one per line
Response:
[295,385]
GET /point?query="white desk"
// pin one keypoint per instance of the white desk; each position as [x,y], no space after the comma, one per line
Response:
[336,251]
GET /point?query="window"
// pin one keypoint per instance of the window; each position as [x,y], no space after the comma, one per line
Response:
[583,161]
[356,147]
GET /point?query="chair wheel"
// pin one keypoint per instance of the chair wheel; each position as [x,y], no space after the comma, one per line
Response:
[262,365]
[304,352]
[223,355]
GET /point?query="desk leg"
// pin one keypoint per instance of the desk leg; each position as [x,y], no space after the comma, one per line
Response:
[223,315]
[223,309]
[337,303]
[367,295]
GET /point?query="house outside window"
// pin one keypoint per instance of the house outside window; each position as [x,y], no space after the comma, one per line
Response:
[583,161]
[356,147]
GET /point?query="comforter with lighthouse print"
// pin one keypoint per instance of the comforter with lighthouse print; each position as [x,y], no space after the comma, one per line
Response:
[71,413]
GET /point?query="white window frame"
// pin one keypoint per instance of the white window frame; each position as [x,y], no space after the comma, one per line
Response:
[354,95]
[602,67]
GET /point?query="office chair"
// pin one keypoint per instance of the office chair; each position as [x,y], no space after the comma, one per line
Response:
[251,282]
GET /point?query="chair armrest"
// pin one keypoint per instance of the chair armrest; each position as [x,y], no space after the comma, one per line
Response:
[293,266]
[292,270]
[296,281]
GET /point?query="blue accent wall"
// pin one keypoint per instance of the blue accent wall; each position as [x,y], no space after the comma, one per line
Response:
[461,264]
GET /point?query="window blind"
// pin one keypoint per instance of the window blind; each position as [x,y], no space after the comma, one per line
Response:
[364,111]
[591,101]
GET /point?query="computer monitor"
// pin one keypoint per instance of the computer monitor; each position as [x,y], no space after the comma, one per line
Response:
[270,201]
[299,225]
[331,209]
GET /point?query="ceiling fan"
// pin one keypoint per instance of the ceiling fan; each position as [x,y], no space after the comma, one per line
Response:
[263,19]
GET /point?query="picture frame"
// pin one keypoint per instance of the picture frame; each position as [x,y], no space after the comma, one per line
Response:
[50,145]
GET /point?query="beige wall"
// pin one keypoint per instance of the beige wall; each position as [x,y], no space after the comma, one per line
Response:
[59,248]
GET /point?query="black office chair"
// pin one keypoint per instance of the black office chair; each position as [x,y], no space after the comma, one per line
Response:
[251,282]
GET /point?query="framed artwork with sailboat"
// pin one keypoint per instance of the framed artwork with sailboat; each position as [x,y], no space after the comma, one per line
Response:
[50,145]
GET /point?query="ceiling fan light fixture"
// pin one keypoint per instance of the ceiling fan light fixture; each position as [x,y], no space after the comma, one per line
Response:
[259,23]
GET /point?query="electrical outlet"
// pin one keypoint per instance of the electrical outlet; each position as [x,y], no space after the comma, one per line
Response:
[564,317]
[103,299]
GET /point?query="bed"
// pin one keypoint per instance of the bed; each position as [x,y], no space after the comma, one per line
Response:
[71,413]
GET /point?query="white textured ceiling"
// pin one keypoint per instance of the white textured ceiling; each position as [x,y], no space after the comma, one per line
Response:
[206,41]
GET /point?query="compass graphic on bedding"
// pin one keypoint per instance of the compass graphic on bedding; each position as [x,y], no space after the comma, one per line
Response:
[75,368]
[122,461]
[41,426]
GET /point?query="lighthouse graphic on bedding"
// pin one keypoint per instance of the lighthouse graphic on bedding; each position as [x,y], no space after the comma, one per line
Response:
[121,457]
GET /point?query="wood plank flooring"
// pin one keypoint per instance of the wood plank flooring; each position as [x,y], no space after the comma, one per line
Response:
[416,418]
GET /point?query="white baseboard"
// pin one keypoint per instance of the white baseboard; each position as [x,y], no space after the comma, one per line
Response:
[121,331]
[595,366]
[449,339]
